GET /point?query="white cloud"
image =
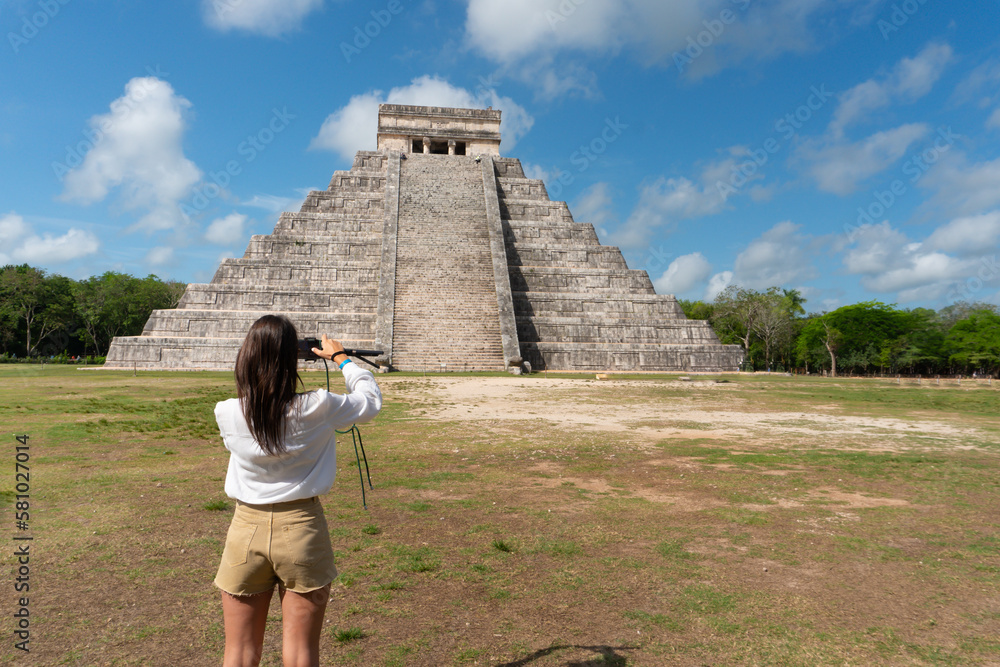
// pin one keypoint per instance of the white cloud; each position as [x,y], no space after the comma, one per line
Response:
[13,228]
[910,79]
[653,31]
[19,245]
[717,283]
[48,249]
[838,167]
[914,77]
[981,86]
[961,188]
[781,256]
[684,274]
[924,274]
[552,80]
[838,164]
[594,205]
[226,231]
[971,235]
[265,17]
[516,29]
[138,152]
[354,127]
[663,203]
[876,248]
[889,262]
[666,201]
[160,256]
[535,171]
[857,101]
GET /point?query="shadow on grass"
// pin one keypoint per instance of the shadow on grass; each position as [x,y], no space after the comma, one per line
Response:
[608,655]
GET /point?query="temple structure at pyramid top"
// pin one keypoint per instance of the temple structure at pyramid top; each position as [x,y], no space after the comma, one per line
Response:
[438,130]
[441,253]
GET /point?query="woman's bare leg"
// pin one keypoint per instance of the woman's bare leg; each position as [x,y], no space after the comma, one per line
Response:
[301,625]
[244,617]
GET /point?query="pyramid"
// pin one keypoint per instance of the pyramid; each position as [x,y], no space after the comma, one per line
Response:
[442,254]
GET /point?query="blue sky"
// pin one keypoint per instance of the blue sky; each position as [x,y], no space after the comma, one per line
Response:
[847,148]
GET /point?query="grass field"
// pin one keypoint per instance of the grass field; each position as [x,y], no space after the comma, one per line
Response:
[533,521]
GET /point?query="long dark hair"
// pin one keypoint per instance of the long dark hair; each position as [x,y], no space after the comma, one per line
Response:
[266,377]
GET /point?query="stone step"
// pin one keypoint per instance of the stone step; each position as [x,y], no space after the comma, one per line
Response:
[591,305]
[522,188]
[597,329]
[362,228]
[508,167]
[306,275]
[270,297]
[568,256]
[351,181]
[363,203]
[235,323]
[370,161]
[190,353]
[561,279]
[520,232]
[630,357]
[324,248]
[527,209]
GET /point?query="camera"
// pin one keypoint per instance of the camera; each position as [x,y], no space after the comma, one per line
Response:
[305,348]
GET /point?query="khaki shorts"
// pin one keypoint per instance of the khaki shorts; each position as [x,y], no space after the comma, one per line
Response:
[282,543]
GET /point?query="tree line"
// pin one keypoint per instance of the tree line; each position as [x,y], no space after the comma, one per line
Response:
[46,315]
[865,338]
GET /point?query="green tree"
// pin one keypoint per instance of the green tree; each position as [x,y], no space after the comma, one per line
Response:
[793,300]
[773,323]
[42,303]
[696,310]
[736,311]
[974,342]
[117,304]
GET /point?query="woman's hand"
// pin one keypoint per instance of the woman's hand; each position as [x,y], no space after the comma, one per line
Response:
[331,349]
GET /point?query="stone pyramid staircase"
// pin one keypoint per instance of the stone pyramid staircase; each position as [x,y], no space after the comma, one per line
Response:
[445,298]
[445,263]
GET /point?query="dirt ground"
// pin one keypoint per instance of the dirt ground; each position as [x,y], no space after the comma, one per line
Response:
[719,410]
[548,521]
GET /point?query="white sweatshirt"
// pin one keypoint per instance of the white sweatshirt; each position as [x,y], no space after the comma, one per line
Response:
[309,464]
